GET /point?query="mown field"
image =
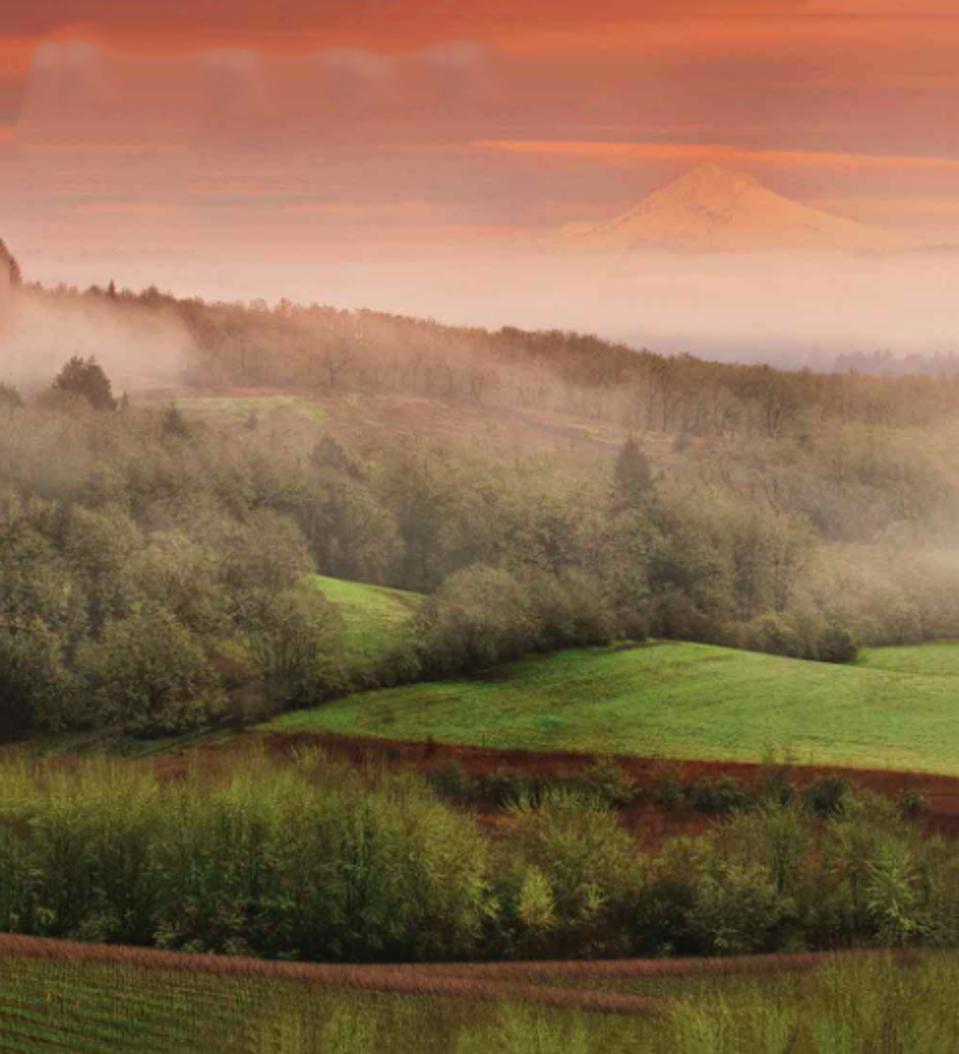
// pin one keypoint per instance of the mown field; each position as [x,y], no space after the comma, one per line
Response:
[896,708]
[857,1005]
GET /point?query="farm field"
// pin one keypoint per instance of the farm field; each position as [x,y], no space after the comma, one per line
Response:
[897,708]
[65,996]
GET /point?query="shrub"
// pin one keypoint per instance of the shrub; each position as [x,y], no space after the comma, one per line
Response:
[894,896]
[777,636]
[867,834]
[718,797]
[478,617]
[506,788]
[590,864]
[453,781]
[661,922]
[826,796]
[85,378]
[608,782]
[912,804]
[670,792]
[736,908]
[836,644]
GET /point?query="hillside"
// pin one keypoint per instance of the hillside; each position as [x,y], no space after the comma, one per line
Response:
[713,209]
[684,701]
[372,615]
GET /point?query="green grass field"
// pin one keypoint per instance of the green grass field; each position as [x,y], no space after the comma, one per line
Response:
[896,708]
[373,615]
[860,1006]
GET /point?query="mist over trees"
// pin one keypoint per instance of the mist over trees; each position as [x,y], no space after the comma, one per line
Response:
[85,379]
[155,563]
[336,352]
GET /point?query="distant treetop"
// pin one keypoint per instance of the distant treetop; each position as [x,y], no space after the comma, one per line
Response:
[9,264]
[85,377]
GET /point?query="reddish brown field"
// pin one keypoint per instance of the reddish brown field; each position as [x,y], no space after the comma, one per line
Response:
[649,823]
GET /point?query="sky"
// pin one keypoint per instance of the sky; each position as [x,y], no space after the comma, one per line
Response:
[228,145]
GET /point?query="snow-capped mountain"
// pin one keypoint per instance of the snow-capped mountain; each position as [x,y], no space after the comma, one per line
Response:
[713,209]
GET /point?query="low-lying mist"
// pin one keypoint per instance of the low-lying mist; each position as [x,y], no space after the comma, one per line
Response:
[138,349]
[784,308]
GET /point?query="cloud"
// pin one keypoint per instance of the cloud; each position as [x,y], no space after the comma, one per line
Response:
[129,208]
[694,153]
[403,17]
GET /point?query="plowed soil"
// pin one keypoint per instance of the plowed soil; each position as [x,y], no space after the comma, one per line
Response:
[941,793]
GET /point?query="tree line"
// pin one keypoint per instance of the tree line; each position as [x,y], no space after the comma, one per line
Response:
[315,860]
[334,352]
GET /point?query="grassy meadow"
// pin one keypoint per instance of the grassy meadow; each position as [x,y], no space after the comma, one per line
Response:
[372,615]
[844,1007]
[895,708]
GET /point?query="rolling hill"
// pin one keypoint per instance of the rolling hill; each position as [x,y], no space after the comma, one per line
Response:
[895,709]
[373,615]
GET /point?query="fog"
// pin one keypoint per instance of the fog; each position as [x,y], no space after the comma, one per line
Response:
[787,309]
[138,349]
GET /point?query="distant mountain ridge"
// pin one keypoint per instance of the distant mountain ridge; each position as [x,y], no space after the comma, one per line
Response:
[714,209]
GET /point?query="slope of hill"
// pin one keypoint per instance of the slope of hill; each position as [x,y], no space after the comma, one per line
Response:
[373,615]
[713,209]
[680,700]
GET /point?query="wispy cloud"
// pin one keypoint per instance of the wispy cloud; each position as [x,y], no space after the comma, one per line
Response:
[697,152]
[129,208]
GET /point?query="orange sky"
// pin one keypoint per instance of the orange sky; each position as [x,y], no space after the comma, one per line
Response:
[275,123]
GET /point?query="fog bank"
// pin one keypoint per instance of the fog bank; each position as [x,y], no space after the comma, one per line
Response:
[139,349]
[786,309]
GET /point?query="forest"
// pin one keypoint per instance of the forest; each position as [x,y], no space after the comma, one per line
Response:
[155,564]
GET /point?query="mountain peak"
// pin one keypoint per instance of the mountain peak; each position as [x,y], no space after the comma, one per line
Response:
[709,174]
[715,209]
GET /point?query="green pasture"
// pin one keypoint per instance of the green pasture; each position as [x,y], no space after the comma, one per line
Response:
[895,708]
[373,616]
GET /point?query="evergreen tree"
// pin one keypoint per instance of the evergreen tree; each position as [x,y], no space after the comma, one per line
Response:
[85,377]
[632,476]
[174,423]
